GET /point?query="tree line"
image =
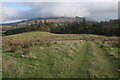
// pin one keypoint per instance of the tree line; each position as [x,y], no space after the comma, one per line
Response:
[108,28]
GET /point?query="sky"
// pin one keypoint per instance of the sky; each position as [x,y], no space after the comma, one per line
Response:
[12,11]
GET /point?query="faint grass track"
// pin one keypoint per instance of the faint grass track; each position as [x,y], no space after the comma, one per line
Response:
[102,66]
[92,63]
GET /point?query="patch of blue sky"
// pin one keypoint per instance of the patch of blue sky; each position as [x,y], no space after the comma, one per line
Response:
[17,6]
[10,21]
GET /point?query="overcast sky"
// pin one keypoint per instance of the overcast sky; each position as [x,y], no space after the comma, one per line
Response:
[15,11]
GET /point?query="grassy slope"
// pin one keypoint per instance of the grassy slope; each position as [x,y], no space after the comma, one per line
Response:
[28,35]
[62,58]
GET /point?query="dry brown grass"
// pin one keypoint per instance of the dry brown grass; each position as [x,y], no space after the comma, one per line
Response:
[13,45]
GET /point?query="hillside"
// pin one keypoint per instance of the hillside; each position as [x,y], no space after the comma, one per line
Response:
[51,19]
[48,55]
[107,28]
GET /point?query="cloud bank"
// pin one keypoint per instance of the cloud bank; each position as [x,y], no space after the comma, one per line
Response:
[93,10]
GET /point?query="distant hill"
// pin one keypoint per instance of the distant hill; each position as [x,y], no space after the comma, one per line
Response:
[61,20]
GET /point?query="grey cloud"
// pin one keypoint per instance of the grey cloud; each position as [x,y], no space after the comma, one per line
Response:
[93,10]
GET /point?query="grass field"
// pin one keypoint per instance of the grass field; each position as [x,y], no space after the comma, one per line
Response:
[48,55]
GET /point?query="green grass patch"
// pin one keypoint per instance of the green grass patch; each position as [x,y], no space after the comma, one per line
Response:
[67,56]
